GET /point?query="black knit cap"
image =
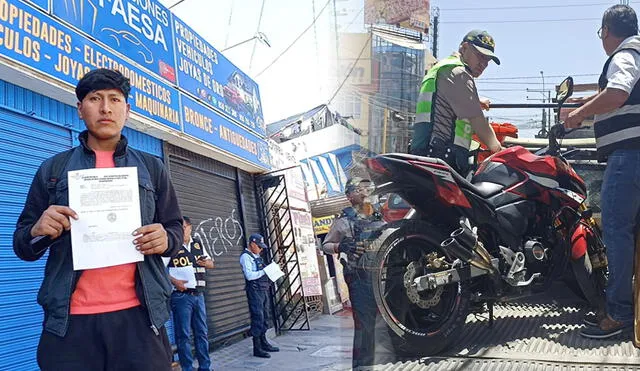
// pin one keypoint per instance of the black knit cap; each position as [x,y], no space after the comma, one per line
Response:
[101,79]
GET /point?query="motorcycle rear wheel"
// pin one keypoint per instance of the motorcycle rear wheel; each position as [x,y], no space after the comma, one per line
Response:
[417,331]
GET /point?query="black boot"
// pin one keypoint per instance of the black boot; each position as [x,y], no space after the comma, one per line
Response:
[266,346]
[257,348]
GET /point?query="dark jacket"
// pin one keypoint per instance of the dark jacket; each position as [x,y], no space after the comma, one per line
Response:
[158,204]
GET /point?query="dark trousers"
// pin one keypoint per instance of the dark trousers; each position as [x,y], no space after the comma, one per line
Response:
[189,313]
[620,211]
[121,340]
[259,309]
[364,308]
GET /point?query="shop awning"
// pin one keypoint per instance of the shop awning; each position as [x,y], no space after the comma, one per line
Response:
[328,206]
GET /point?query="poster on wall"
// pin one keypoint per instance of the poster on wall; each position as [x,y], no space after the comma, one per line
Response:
[140,30]
[323,224]
[208,125]
[307,253]
[296,191]
[404,13]
[210,76]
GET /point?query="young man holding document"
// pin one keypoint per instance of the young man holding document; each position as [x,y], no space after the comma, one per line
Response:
[110,316]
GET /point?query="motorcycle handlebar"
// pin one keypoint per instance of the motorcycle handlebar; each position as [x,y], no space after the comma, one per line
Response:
[556,132]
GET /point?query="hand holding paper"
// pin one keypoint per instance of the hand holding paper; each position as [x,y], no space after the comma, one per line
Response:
[187,274]
[273,271]
[53,222]
[151,239]
[107,204]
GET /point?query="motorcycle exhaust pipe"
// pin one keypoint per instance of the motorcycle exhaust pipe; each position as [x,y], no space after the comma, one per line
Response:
[465,236]
[466,254]
[452,245]
[470,240]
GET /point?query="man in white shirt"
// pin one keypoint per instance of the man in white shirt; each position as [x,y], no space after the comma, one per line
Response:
[617,131]
[258,288]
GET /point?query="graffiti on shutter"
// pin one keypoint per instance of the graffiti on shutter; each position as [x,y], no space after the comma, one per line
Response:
[220,233]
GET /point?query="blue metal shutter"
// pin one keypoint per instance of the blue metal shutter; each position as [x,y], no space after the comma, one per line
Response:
[143,142]
[24,143]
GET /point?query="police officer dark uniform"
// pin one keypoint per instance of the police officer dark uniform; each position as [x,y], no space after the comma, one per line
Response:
[346,237]
[258,290]
[187,304]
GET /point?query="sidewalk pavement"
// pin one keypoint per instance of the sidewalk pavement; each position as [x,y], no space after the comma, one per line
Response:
[326,346]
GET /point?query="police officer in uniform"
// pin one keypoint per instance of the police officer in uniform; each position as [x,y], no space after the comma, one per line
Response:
[258,290]
[187,304]
[347,237]
[449,110]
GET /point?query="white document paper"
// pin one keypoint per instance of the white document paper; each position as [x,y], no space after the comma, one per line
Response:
[107,202]
[185,274]
[273,271]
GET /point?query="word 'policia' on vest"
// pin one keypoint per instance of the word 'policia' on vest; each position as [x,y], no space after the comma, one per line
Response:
[185,258]
[424,111]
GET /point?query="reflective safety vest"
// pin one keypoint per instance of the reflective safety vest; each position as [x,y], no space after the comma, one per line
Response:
[461,131]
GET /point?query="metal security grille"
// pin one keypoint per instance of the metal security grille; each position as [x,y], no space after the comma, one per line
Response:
[290,304]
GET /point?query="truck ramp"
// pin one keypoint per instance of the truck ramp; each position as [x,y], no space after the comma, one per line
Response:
[536,333]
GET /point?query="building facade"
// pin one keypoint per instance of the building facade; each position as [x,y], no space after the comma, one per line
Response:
[401,58]
[190,107]
[328,149]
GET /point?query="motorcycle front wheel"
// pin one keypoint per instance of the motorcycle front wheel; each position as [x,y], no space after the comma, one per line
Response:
[425,323]
[590,272]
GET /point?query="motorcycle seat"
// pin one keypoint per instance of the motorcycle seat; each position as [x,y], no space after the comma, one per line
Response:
[487,189]
[482,189]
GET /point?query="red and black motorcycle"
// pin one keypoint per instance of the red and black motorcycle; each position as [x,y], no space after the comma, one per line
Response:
[520,224]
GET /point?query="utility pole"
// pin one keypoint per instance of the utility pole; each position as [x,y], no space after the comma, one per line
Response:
[384,130]
[546,116]
[549,109]
[436,21]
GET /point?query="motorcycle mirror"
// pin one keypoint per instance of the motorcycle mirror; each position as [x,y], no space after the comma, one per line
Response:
[564,90]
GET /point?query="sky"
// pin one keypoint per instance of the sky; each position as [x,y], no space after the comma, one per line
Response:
[557,38]
[298,80]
